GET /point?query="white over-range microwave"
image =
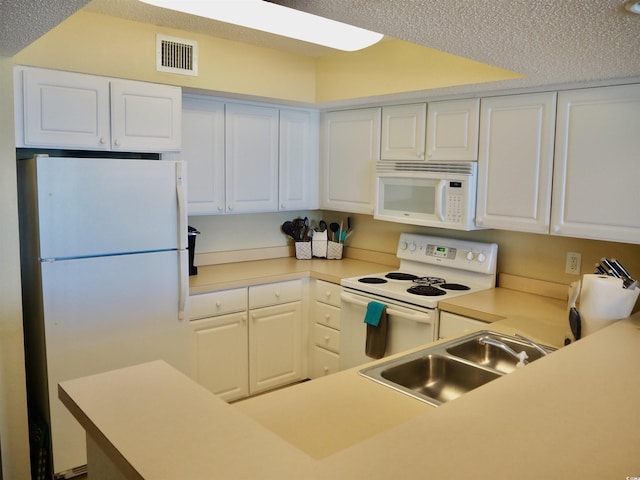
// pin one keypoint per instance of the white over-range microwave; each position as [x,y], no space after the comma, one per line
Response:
[428,194]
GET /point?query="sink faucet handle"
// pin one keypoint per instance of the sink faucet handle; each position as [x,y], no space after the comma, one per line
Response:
[522,357]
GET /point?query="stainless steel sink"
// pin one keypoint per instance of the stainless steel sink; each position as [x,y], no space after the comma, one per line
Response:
[445,371]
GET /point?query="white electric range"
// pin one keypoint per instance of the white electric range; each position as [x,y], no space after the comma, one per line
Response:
[431,269]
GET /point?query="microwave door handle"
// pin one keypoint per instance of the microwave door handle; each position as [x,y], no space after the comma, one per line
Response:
[439,201]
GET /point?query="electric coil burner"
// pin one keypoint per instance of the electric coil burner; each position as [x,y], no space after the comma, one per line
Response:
[426,290]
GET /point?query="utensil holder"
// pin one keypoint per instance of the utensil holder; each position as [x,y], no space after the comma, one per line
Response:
[319,241]
[334,250]
[303,250]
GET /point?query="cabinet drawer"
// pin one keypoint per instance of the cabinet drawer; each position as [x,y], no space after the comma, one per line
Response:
[328,315]
[217,303]
[326,338]
[324,362]
[328,293]
[275,293]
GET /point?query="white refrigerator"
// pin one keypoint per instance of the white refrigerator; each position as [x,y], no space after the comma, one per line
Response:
[105,278]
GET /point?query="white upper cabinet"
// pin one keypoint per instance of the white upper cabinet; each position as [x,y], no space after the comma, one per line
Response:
[298,162]
[350,148]
[58,109]
[62,109]
[452,130]
[203,151]
[515,162]
[251,152]
[145,116]
[597,164]
[403,132]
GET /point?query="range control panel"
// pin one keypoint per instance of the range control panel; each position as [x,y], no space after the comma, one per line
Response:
[453,253]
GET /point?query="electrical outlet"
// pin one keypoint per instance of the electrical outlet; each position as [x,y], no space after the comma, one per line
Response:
[574,259]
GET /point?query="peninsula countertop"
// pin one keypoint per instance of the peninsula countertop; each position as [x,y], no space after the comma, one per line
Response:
[571,415]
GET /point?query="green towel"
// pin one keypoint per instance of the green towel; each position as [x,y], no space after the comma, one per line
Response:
[374,313]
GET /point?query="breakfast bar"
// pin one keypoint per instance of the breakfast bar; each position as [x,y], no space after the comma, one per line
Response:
[570,415]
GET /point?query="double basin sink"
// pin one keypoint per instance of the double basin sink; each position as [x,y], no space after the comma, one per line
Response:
[447,370]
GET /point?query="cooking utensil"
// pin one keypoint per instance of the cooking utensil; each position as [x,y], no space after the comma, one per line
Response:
[289,229]
[322,226]
[575,322]
[334,227]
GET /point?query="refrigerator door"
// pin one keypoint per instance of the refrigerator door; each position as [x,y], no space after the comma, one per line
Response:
[90,207]
[105,313]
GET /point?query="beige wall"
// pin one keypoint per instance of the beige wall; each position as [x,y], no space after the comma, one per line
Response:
[13,406]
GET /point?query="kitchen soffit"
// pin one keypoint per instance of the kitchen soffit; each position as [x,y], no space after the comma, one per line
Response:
[548,42]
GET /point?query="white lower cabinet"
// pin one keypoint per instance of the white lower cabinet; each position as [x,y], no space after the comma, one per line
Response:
[325,333]
[248,340]
[453,324]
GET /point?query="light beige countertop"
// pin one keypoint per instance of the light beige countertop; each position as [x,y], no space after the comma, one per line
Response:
[571,415]
[240,274]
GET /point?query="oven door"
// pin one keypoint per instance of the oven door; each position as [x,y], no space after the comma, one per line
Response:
[408,327]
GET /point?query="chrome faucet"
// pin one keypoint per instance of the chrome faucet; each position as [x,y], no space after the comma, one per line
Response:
[532,343]
[521,357]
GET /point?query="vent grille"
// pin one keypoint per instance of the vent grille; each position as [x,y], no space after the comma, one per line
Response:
[460,168]
[176,55]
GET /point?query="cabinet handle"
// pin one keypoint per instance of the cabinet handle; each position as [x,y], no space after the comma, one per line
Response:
[326,339]
[326,370]
[254,316]
[282,205]
[420,154]
[277,294]
[116,143]
[229,208]
[218,304]
[327,316]
[328,294]
[220,208]
[430,154]
[244,319]
[102,140]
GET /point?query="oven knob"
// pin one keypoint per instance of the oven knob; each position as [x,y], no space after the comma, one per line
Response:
[471,256]
[412,247]
[403,245]
[481,257]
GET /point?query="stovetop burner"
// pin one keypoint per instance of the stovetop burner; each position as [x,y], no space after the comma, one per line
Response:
[426,290]
[454,286]
[401,276]
[372,280]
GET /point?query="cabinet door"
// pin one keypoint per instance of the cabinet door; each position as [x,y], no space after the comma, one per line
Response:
[145,116]
[251,151]
[63,109]
[597,166]
[298,184]
[515,163]
[275,346]
[219,355]
[350,150]
[203,150]
[452,130]
[403,132]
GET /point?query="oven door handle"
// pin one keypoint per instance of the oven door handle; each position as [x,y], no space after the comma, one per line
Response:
[418,317]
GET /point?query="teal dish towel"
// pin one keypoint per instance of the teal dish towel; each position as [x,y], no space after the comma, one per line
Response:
[374,313]
[377,329]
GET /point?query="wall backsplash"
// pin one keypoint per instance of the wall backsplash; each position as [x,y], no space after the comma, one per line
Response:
[524,254]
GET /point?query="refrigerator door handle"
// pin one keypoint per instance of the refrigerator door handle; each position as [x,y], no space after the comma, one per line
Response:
[182,212]
[183,283]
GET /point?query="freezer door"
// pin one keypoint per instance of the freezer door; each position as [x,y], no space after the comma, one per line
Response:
[90,207]
[106,313]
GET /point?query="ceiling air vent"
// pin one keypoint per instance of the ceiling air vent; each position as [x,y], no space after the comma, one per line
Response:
[176,55]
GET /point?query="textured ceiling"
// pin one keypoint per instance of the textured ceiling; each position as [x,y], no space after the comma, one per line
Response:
[549,41]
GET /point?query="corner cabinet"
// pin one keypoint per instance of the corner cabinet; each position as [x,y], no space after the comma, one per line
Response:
[597,164]
[350,148]
[452,130]
[56,109]
[298,160]
[515,162]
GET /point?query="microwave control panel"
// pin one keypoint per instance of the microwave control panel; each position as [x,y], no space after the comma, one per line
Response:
[454,210]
